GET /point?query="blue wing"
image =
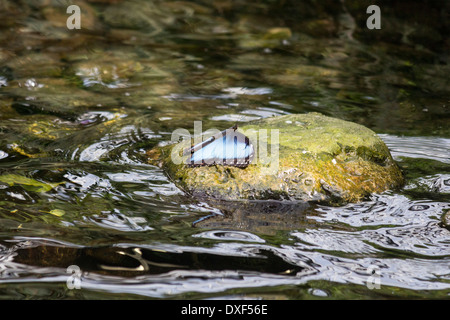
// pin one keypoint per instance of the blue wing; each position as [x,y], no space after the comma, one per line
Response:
[226,148]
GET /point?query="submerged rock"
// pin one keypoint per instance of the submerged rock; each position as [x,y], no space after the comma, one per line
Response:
[309,157]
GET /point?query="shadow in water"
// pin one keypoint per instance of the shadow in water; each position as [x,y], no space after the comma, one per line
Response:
[262,217]
[129,261]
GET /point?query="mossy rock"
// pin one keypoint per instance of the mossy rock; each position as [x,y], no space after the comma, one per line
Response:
[311,157]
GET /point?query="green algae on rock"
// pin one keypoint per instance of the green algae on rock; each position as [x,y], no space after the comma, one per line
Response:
[312,158]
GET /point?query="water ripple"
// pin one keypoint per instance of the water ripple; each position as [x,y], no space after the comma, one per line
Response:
[383,210]
[434,148]
[329,240]
[439,183]
[429,239]
[229,235]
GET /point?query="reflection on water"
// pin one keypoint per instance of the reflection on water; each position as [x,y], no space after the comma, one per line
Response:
[434,148]
[78,112]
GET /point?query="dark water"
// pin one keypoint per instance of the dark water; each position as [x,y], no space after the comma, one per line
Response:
[84,216]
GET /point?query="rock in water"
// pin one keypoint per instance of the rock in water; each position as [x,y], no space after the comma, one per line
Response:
[309,157]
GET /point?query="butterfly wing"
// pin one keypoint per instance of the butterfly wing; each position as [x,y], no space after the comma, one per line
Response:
[229,147]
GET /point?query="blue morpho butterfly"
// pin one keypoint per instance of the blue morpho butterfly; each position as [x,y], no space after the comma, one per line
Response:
[227,148]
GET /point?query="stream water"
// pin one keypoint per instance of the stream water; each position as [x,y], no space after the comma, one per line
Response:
[84,216]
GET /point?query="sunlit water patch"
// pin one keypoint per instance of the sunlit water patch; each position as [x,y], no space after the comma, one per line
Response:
[79,111]
[385,209]
[418,147]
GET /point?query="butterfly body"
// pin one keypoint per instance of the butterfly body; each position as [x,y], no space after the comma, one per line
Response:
[227,148]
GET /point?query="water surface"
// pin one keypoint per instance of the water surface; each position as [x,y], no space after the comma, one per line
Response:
[79,109]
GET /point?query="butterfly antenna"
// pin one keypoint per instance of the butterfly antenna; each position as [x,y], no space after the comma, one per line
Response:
[235,126]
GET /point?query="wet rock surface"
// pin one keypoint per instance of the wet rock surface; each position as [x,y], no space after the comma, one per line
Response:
[309,157]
